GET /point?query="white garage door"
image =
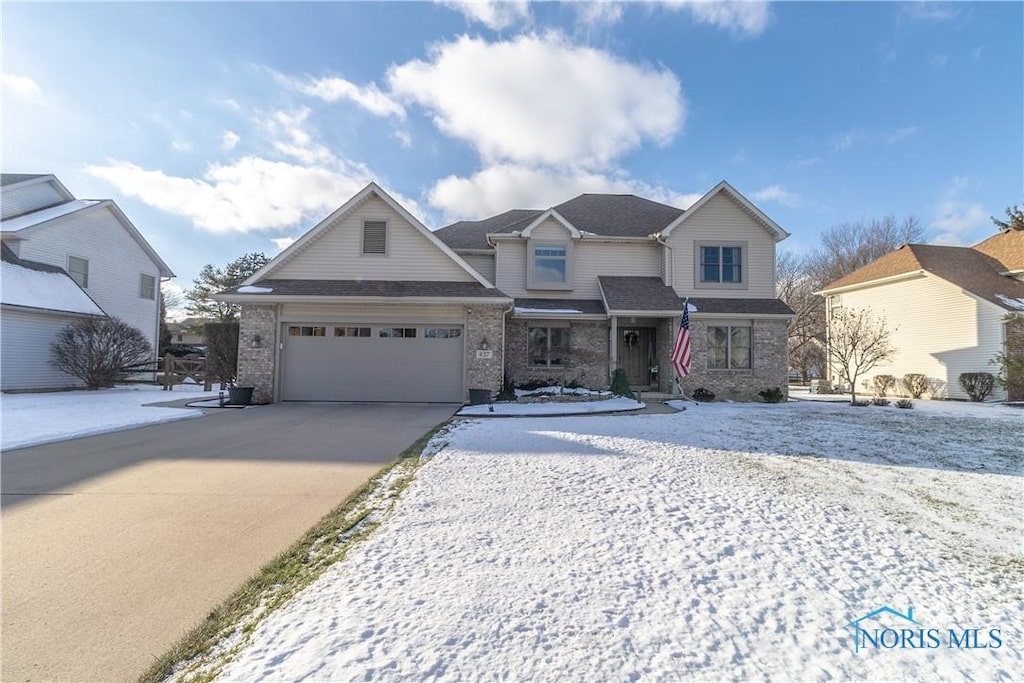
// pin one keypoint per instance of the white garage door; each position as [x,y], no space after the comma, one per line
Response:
[372,362]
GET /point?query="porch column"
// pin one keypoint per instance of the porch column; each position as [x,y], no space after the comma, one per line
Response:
[613,346]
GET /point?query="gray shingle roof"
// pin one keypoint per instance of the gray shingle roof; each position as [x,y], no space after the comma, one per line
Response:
[608,215]
[584,306]
[741,306]
[381,288]
[638,294]
[12,178]
[473,234]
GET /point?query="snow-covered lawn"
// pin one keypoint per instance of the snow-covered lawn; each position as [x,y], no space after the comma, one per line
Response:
[725,542]
[33,419]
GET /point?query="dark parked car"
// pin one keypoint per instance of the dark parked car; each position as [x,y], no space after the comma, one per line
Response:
[187,351]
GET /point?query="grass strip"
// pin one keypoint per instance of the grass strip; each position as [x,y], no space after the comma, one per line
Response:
[208,647]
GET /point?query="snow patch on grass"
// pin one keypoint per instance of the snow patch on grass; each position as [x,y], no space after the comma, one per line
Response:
[611,405]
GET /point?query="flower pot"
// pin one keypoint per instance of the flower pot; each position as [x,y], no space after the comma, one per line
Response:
[240,396]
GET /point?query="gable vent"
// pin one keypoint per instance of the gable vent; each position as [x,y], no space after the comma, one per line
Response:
[375,237]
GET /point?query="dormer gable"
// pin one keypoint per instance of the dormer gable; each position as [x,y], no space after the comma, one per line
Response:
[369,237]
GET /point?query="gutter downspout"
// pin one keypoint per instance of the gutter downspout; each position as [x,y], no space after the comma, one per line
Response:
[671,258]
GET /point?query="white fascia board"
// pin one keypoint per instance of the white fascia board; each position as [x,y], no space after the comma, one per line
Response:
[53,311]
[551,213]
[647,314]
[920,272]
[778,234]
[371,189]
[50,178]
[734,316]
[559,316]
[314,299]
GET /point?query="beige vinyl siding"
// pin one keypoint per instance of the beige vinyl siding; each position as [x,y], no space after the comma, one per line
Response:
[589,260]
[337,253]
[940,330]
[721,220]
[25,361]
[482,263]
[115,263]
[20,200]
[550,229]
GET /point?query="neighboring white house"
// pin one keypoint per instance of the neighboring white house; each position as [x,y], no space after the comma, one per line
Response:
[91,242]
[946,306]
[370,305]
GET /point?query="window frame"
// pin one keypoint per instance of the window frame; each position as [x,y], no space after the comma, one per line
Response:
[531,264]
[698,271]
[729,327]
[548,330]
[142,290]
[387,237]
[71,273]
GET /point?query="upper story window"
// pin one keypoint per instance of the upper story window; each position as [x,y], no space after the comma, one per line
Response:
[721,265]
[78,269]
[548,266]
[147,287]
[375,237]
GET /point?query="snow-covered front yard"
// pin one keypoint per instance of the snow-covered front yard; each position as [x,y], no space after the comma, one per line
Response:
[33,419]
[726,542]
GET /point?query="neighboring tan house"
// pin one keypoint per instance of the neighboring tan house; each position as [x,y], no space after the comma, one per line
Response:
[370,305]
[946,306]
[94,244]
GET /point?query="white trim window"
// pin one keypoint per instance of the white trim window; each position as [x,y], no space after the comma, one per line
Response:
[147,287]
[730,347]
[78,269]
[547,347]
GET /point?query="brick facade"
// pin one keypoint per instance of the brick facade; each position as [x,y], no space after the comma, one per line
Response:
[770,362]
[484,322]
[256,364]
[588,354]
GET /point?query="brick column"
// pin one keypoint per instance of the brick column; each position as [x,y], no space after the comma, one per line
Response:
[485,322]
[256,363]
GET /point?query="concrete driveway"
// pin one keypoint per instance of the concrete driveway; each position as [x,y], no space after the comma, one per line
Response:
[115,545]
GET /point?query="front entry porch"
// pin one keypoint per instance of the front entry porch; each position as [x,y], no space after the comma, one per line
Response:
[637,355]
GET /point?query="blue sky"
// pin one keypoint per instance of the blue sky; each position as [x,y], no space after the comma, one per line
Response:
[226,128]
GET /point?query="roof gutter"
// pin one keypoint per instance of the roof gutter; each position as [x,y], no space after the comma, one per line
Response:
[313,298]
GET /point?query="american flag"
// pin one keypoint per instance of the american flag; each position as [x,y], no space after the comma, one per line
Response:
[681,350]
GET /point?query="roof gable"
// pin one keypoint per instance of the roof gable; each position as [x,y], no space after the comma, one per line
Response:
[1007,248]
[557,218]
[308,242]
[777,233]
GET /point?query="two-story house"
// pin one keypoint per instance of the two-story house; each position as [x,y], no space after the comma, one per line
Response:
[370,305]
[44,227]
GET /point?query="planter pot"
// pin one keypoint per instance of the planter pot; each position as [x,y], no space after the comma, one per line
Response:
[479,396]
[240,396]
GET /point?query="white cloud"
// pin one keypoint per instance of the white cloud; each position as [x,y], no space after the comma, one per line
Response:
[249,195]
[745,18]
[927,10]
[333,89]
[494,14]
[21,87]
[296,141]
[179,145]
[538,99]
[777,193]
[599,12]
[174,299]
[859,136]
[898,134]
[403,137]
[229,139]
[958,221]
[283,243]
[505,186]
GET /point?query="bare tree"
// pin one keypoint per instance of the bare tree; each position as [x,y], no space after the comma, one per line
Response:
[807,330]
[857,342]
[99,351]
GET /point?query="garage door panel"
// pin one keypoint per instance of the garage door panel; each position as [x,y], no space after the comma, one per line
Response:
[372,368]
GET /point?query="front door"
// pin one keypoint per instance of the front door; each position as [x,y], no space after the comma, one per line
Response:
[637,354]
